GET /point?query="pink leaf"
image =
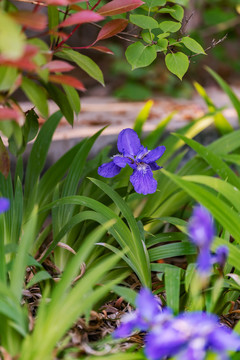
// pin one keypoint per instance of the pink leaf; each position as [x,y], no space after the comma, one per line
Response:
[103,49]
[35,21]
[81,17]
[7,113]
[58,66]
[112,28]
[67,80]
[25,62]
[62,2]
[61,34]
[115,7]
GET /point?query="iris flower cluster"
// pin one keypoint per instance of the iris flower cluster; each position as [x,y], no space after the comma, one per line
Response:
[201,231]
[139,158]
[188,336]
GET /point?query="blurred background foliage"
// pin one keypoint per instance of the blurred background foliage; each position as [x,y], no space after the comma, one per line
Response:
[208,21]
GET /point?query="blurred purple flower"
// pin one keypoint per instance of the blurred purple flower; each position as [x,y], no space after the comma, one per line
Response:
[201,227]
[4,204]
[139,158]
[201,231]
[220,256]
[188,336]
[148,311]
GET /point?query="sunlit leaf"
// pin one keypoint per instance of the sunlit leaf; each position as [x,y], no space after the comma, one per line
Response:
[12,40]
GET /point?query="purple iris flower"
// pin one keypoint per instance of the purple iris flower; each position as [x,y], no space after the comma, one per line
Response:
[201,227]
[201,231]
[139,158]
[148,311]
[4,204]
[188,336]
[221,256]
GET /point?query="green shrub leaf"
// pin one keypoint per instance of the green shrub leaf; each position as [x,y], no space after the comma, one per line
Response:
[36,94]
[84,62]
[139,55]
[177,63]
[193,45]
[170,26]
[143,21]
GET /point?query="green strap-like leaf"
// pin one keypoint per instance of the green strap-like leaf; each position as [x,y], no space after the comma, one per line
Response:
[213,160]
[224,214]
[39,152]
[172,287]
[234,99]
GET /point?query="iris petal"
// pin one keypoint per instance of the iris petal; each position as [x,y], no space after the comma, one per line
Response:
[128,142]
[204,261]
[109,170]
[122,161]
[143,181]
[154,166]
[4,204]
[149,305]
[129,323]
[154,155]
[224,339]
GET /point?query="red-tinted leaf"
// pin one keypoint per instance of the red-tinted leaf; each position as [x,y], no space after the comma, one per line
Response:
[62,2]
[25,62]
[4,160]
[115,7]
[7,113]
[67,80]
[112,28]
[35,21]
[103,49]
[58,66]
[81,17]
[61,34]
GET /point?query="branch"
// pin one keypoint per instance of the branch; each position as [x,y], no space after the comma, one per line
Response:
[214,43]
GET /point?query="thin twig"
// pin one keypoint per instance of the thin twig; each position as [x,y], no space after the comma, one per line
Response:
[94,7]
[64,18]
[33,2]
[214,43]
[186,21]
